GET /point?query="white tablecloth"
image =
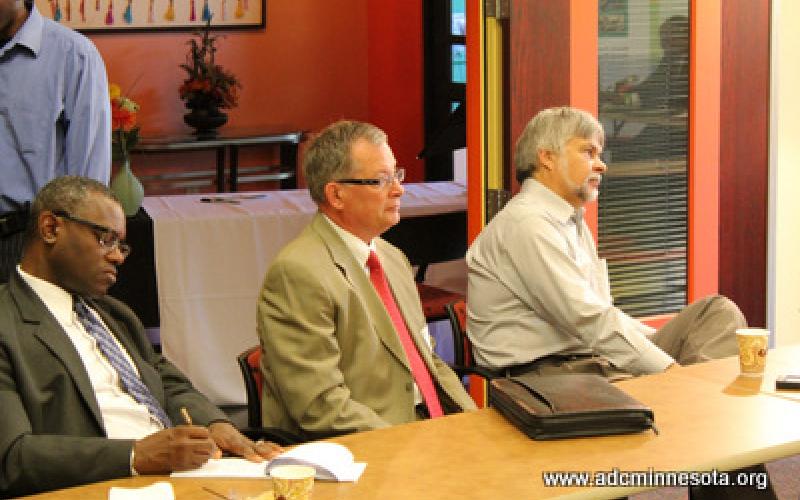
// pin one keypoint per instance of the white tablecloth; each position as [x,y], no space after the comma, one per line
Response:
[211,259]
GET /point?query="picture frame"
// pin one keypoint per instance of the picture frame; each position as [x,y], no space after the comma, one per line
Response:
[93,16]
[612,18]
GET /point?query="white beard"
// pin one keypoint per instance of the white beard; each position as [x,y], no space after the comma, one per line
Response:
[584,191]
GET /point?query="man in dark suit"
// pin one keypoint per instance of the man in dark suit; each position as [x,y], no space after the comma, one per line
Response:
[344,349]
[83,396]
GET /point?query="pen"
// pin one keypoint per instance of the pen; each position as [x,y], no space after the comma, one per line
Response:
[231,199]
[218,199]
[220,495]
[186,417]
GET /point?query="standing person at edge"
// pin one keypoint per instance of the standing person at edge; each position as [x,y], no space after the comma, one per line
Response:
[55,115]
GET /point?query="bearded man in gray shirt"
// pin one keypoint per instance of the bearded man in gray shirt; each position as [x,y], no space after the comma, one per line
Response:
[538,295]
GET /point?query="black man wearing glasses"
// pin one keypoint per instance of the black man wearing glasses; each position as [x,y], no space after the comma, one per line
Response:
[345,343]
[83,396]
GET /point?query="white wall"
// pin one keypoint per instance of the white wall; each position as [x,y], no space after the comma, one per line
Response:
[783,280]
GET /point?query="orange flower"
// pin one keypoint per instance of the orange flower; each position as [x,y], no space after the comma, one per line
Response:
[121,117]
[125,130]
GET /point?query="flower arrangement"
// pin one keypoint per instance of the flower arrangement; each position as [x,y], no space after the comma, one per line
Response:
[207,83]
[124,126]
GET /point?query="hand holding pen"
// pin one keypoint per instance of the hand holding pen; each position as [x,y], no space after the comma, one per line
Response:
[189,446]
[182,447]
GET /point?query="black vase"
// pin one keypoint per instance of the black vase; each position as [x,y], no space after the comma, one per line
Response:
[205,120]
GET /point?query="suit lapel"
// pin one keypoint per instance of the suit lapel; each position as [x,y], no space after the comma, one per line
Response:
[353,273]
[41,324]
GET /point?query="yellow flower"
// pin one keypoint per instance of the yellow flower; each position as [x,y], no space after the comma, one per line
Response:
[114,91]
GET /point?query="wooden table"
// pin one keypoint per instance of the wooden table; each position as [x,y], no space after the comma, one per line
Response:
[708,418]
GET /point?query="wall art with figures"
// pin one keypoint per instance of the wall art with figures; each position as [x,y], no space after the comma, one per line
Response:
[138,15]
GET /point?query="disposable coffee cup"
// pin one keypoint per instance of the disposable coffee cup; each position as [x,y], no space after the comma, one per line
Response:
[752,350]
[292,482]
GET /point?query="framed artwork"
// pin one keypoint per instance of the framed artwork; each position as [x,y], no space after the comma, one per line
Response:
[154,15]
[612,18]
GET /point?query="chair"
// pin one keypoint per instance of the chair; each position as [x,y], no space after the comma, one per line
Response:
[250,365]
[462,354]
[427,240]
[457,312]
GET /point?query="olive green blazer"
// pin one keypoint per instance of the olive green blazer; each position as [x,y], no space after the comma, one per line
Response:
[332,361]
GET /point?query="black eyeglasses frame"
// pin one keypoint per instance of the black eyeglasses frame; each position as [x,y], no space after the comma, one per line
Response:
[101,232]
[398,176]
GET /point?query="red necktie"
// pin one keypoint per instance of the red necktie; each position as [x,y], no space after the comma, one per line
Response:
[418,369]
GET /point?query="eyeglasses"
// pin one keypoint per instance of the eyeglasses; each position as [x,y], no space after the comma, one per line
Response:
[383,181]
[107,237]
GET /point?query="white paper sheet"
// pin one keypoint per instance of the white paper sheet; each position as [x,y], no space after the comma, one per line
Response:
[332,461]
[161,490]
[227,467]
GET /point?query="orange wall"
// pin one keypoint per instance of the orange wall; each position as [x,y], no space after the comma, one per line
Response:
[316,62]
[704,130]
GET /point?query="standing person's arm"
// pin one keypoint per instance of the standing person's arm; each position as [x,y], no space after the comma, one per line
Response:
[87,110]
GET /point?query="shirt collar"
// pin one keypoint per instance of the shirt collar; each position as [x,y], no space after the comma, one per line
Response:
[29,34]
[57,300]
[555,205]
[356,245]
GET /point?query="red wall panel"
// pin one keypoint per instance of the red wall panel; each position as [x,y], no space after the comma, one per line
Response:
[744,155]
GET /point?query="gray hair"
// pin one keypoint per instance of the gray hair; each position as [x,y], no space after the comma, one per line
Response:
[328,158]
[67,193]
[550,130]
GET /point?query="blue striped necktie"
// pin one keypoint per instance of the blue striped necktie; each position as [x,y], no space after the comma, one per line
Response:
[130,380]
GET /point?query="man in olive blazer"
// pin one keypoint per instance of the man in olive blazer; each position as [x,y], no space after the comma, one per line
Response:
[56,430]
[332,359]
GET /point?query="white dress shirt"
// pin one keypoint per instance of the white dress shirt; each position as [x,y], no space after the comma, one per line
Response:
[360,251]
[123,416]
[536,287]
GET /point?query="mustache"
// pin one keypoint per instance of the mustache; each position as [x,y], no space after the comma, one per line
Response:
[594,177]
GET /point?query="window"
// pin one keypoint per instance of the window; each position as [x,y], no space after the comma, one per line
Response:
[643,105]
[445,85]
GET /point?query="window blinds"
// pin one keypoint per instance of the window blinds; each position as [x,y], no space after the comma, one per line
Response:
[643,105]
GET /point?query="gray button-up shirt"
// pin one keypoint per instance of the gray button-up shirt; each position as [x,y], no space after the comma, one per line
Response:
[55,116]
[537,287]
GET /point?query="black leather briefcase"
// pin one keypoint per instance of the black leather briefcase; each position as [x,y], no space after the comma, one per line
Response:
[564,406]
